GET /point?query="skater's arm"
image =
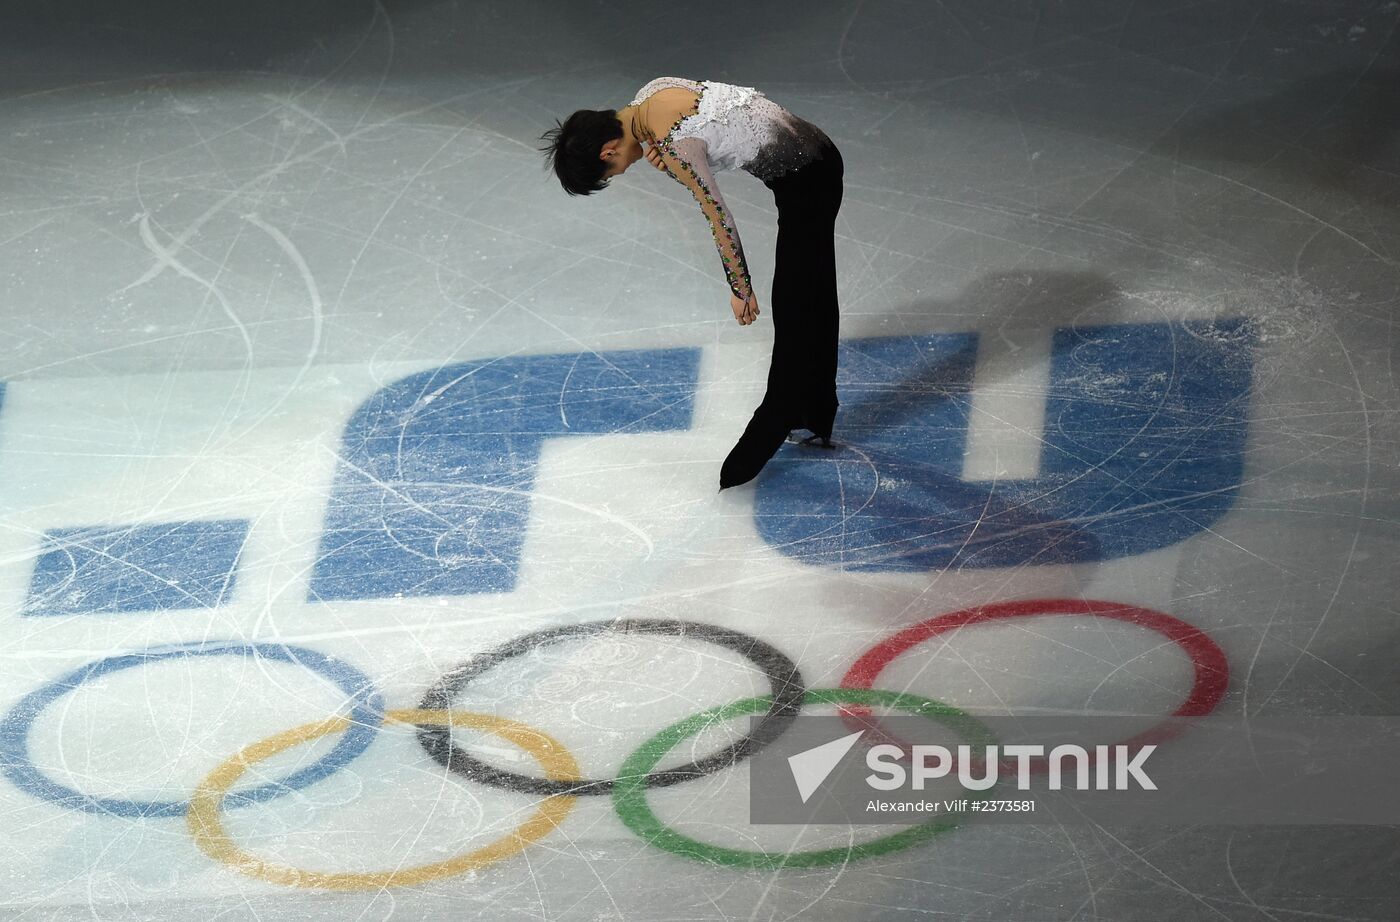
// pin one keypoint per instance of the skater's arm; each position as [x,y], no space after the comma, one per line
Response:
[687,161]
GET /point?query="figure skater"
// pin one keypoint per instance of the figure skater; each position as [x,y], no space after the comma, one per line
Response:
[692,128]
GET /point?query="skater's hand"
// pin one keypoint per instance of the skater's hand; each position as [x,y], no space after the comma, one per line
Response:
[654,156]
[745,312]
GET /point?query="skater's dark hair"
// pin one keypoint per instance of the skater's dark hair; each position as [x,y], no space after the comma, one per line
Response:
[574,147]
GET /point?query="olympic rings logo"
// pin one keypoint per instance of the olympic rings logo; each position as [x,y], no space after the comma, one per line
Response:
[562,782]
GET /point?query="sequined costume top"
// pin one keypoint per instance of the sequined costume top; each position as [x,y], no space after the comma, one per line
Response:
[733,127]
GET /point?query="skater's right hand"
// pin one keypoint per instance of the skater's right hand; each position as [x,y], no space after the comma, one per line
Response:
[745,312]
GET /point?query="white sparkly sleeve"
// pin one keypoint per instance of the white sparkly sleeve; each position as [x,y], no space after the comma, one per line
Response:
[687,161]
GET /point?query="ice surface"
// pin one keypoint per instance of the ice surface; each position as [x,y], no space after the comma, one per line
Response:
[303,353]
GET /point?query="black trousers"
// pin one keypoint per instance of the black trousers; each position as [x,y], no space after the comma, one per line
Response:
[806,317]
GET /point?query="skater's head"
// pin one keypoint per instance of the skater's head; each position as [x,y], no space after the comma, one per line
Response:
[579,150]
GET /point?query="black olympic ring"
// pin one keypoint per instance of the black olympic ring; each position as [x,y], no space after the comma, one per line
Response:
[787,684]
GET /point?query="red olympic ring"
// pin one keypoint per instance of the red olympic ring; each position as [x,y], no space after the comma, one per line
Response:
[1212,669]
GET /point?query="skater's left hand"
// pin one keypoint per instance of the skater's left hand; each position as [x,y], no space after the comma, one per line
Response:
[745,312]
[653,155]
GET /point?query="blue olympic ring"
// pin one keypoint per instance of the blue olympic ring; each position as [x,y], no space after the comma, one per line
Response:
[366,715]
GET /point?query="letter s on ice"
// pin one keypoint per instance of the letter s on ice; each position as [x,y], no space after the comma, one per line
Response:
[881,760]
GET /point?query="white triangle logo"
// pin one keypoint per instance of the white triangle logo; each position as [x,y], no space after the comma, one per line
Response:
[810,768]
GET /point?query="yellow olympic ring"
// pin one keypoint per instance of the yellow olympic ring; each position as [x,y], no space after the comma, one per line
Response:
[209,834]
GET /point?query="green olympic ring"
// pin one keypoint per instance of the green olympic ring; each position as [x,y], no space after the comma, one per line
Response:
[630,793]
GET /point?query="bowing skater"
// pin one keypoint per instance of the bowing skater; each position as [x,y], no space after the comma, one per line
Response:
[691,129]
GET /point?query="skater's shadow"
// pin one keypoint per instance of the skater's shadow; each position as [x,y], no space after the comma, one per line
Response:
[891,496]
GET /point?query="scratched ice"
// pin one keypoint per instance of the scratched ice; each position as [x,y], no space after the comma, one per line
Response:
[316,389]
